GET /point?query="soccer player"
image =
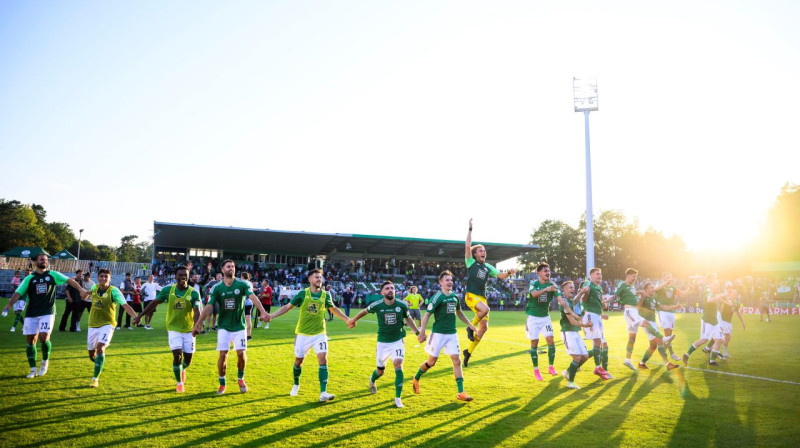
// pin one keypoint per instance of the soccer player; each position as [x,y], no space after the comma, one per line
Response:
[183,312]
[105,299]
[541,292]
[630,302]
[390,313]
[478,272]
[666,295]
[229,295]
[414,300]
[310,330]
[726,312]
[40,288]
[709,324]
[592,297]
[444,306]
[648,304]
[570,326]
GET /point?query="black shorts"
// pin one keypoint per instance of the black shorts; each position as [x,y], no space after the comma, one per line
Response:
[146,303]
[248,310]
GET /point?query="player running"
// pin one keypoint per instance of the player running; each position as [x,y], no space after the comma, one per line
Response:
[311,331]
[666,295]
[478,272]
[541,292]
[570,327]
[444,306]
[592,298]
[629,300]
[709,324]
[40,288]
[726,312]
[183,312]
[229,295]
[390,313]
[102,322]
[648,304]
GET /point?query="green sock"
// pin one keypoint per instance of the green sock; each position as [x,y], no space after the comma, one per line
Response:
[551,353]
[714,355]
[374,376]
[398,382]
[604,356]
[184,365]
[654,331]
[30,350]
[691,349]
[222,381]
[629,349]
[419,374]
[646,356]
[99,362]
[46,346]
[460,384]
[571,370]
[297,371]
[534,357]
[176,370]
[710,344]
[240,374]
[323,378]
[663,352]
[596,355]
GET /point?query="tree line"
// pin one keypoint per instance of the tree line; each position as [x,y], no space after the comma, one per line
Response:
[26,225]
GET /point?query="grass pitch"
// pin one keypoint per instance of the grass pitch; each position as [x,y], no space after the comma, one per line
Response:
[136,403]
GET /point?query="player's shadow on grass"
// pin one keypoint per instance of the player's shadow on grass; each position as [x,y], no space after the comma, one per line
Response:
[713,420]
[447,365]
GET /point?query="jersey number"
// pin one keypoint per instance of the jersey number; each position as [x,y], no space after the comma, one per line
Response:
[549,328]
[44,326]
[399,352]
[323,346]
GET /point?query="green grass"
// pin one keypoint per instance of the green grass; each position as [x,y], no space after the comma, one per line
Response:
[136,403]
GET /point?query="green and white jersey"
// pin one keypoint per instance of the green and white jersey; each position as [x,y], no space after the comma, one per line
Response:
[709,308]
[180,307]
[312,311]
[41,291]
[627,294]
[390,319]
[231,304]
[444,309]
[566,325]
[667,295]
[726,311]
[649,307]
[477,276]
[540,306]
[104,306]
[594,301]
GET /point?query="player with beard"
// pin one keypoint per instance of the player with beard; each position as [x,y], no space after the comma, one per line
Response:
[648,305]
[570,327]
[541,293]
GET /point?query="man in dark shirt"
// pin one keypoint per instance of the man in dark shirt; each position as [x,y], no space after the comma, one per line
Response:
[347,300]
[74,305]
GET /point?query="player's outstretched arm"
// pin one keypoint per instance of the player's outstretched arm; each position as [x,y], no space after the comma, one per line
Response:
[150,307]
[11,302]
[412,325]
[78,287]
[264,316]
[505,275]
[468,242]
[421,336]
[198,322]
[337,312]
[281,311]
[352,322]
[128,309]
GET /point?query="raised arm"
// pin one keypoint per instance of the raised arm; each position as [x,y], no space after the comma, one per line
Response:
[467,251]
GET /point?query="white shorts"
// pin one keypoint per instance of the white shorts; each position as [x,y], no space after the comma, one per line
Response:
[573,343]
[633,319]
[538,325]
[596,331]
[303,343]
[667,319]
[386,350]
[709,332]
[438,341]
[99,335]
[725,327]
[38,324]
[225,338]
[181,341]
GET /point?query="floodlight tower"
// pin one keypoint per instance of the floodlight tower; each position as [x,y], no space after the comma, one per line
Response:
[584,92]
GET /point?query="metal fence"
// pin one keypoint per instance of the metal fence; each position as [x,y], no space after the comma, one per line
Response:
[69,266]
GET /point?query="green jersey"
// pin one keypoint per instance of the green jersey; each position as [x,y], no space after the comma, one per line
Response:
[104,306]
[231,304]
[709,308]
[594,301]
[180,307]
[477,276]
[444,309]
[41,291]
[726,311]
[667,295]
[627,294]
[540,306]
[312,311]
[566,325]
[649,307]
[390,319]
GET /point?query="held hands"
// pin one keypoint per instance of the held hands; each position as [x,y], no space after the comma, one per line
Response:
[604,316]
[136,320]
[265,317]
[421,337]
[351,323]
[589,325]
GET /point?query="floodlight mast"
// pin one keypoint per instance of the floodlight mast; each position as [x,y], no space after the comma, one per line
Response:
[585,100]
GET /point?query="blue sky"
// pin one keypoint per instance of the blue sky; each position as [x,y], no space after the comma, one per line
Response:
[398,118]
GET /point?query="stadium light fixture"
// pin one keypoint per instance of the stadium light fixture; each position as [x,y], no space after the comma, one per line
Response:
[80,236]
[584,91]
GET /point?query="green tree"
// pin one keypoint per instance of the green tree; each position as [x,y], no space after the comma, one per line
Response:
[127,249]
[20,226]
[106,253]
[561,246]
